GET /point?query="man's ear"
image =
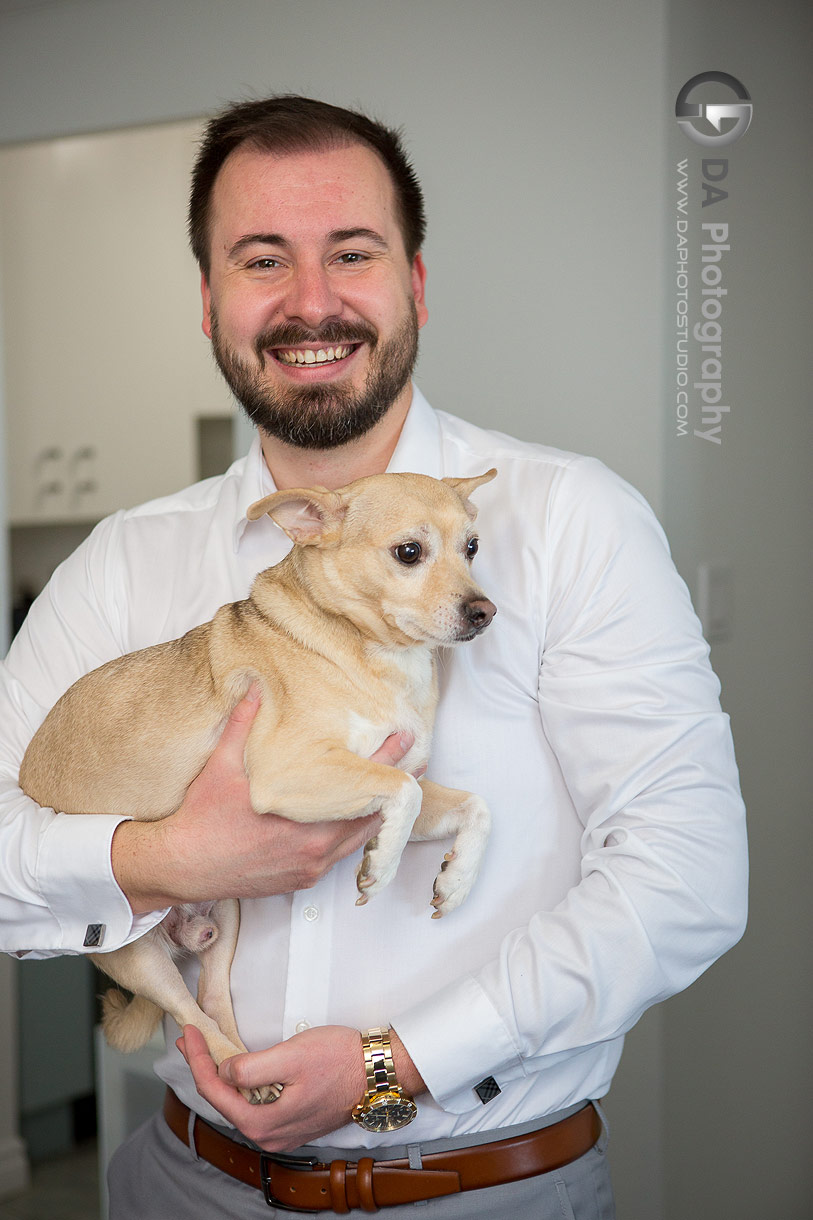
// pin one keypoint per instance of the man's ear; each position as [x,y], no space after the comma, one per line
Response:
[310,516]
[419,289]
[464,488]
[206,298]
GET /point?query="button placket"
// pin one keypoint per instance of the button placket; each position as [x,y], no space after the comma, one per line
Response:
[309,957]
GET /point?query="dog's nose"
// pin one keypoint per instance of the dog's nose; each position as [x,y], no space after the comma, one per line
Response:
[479,612]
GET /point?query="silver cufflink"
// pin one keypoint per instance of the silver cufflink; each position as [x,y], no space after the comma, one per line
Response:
[487,1090]
[94,935]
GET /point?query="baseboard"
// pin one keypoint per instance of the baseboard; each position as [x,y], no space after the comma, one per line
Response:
[14,1171]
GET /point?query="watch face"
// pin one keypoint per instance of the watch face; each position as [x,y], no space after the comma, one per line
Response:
[388,1112]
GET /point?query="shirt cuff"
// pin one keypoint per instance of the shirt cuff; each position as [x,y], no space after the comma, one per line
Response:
[456,1040]
[75,877]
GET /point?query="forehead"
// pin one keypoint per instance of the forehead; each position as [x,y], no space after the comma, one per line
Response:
[406,503]
[302,195]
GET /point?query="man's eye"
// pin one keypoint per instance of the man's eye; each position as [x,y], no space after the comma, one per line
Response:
[351,259]
[408,552]
[266,263]
[472,547]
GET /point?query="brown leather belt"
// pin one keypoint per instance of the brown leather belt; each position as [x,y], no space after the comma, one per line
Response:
[302,1184]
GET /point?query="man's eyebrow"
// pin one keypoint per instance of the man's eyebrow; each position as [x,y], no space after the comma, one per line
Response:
[340,235]
[256,239]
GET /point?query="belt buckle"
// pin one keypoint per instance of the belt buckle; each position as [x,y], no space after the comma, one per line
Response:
[287,1162]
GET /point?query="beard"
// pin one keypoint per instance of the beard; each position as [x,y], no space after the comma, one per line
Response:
[319,416]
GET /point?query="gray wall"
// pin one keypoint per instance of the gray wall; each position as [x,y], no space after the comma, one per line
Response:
[739,1071]
[544,137]
[14,1174]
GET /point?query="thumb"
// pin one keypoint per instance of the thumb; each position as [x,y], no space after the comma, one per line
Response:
[393,749]
[226,1072]
[238,725]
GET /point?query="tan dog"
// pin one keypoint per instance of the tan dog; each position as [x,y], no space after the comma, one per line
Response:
[340,637]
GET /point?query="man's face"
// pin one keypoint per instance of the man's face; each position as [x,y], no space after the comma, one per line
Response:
[311,303]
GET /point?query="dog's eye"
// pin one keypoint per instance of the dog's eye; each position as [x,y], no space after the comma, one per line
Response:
[472,547]
[408,552]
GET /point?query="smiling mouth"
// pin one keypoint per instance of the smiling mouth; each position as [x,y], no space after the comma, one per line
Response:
[306,355]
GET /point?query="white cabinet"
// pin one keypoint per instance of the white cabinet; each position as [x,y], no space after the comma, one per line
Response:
[106,366]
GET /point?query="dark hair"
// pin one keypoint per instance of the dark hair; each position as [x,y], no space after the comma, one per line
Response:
[287,123]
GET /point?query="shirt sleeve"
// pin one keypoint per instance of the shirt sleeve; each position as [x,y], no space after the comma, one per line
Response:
[58,893]
[630,706]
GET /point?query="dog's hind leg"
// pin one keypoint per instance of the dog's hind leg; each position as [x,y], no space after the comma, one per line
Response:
[444,812]
[214,991]
[146,968]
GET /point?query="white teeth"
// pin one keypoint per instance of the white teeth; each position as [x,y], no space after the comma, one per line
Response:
[308,356]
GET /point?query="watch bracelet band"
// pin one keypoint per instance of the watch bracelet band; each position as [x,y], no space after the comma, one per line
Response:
[378,1062]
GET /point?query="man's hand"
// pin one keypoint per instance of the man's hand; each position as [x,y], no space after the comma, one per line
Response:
[216,846]
[322,1073]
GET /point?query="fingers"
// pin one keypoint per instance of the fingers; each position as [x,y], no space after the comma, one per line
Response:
[228,1089]
[363,829]
[209,1084]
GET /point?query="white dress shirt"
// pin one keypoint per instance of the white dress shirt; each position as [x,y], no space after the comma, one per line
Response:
[587,716]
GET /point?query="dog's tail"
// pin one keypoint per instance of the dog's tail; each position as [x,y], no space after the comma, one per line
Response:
[128,1023]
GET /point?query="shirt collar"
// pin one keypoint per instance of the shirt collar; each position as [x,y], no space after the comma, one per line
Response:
[255,483]
[417,450]
[418,447]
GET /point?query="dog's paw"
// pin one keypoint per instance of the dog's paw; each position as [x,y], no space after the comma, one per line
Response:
[374,872]
[452,885]
[460,867]
[263,1094]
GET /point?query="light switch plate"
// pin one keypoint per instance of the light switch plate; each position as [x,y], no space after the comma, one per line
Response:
[715,583]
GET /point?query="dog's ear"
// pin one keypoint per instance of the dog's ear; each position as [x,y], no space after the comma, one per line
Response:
[310,516]
[464,488]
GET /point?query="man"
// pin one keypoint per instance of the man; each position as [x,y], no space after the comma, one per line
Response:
[588,718]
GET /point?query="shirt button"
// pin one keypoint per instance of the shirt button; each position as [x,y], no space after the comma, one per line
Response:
[301,1026]
[311,913]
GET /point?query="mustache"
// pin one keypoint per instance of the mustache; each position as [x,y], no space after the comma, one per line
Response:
[291,334]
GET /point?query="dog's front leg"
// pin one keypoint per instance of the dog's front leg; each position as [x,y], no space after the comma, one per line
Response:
[382,854]
[444,812]
[338,785]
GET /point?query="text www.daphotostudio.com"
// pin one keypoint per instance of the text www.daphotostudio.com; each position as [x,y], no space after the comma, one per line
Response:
[702,246]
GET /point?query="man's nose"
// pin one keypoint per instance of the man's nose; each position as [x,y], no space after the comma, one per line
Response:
[311,296]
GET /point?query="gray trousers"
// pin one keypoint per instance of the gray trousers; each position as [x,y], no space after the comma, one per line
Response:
[153,1176]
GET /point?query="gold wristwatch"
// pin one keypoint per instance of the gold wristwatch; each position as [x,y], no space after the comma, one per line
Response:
[385,1106]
